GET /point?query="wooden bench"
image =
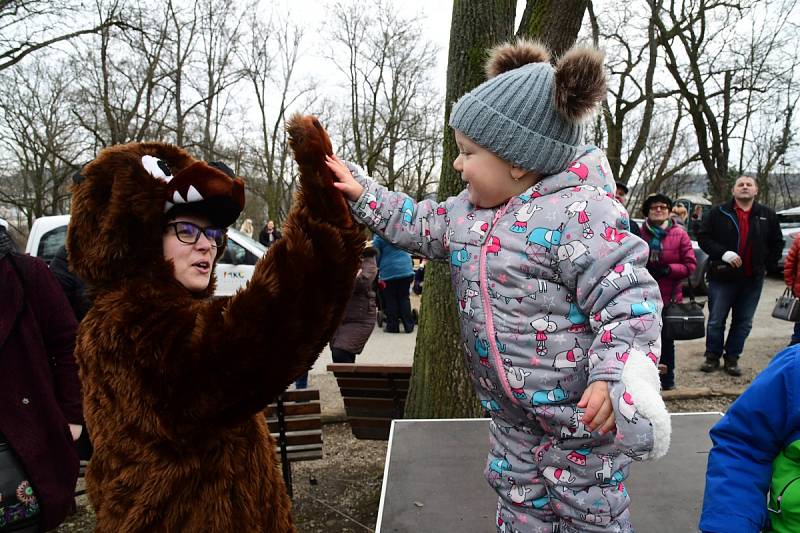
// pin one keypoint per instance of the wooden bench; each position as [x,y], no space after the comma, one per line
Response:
[373,396]
[295,422]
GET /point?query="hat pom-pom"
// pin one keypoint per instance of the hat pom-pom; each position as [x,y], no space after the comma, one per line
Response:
[508,56]
[580,83]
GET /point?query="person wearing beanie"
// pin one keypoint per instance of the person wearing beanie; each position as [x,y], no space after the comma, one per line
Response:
[175,382]
[560,320]
[670,262]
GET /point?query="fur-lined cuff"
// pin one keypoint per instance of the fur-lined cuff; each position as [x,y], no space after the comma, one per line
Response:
[643,387]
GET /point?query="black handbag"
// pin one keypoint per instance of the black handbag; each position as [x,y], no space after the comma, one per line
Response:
[19,507]
[787,307]
[683,321]
[722,271]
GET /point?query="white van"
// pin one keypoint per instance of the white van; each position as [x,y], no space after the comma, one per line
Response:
[234,269]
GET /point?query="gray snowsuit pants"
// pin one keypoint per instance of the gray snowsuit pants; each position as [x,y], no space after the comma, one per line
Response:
[553,475]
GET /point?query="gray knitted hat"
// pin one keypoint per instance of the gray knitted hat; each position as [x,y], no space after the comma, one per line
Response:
[529,113]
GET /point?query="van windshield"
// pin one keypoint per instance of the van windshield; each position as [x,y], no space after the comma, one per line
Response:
[789,220]
[51,242]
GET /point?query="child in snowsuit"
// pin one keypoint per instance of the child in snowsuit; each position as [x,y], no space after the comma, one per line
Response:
[559,318]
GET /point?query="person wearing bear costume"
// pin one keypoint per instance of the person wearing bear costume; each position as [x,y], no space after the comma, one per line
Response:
[174,381]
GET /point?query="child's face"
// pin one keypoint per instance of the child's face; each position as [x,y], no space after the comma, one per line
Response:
[489,178]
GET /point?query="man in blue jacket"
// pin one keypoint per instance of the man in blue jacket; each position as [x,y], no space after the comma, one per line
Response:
[757,451]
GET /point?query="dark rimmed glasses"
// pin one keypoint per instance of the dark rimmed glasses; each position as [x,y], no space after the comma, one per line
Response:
[189,233]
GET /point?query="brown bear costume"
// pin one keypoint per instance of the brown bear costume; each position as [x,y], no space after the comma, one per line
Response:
[175,382]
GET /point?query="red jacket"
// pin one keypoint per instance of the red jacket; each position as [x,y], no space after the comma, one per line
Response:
[39,388]
[677,253]
[791,268]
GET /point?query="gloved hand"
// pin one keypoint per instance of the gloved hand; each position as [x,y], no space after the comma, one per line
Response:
[659,271]
[732,258]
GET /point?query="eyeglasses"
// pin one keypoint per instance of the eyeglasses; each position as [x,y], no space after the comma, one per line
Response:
[189,233]
[658,207]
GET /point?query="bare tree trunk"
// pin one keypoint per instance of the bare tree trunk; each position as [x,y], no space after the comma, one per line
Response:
[440,387]
[546,21]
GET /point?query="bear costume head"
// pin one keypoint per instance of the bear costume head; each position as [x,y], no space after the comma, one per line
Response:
[122,200]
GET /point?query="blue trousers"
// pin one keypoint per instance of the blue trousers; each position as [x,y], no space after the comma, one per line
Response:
[740,299]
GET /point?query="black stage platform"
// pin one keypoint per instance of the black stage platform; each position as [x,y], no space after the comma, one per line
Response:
[433,480]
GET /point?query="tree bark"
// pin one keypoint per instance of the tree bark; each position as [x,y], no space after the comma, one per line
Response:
[440,387]
[556,23]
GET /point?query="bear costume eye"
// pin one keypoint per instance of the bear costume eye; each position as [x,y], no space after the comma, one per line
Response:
[157,168]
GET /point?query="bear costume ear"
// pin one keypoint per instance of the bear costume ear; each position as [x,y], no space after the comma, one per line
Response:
[580,83]
[509,56]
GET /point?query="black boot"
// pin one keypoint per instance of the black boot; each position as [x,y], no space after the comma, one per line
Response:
[732,367]
[711,363]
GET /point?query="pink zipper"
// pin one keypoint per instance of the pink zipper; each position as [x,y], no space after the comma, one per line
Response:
[487,309]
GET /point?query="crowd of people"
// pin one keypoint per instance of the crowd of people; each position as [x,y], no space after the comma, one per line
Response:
[559,296]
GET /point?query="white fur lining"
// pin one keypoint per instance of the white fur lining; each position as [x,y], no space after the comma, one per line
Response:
[641,380]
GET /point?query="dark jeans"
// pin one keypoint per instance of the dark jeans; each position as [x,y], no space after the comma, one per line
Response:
[397,305]
[668,359]
[342,356]
[301,382]
[796,334]
[740,298]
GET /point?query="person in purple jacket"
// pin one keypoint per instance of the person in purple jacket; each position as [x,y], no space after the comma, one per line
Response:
[671,261]
[40,395]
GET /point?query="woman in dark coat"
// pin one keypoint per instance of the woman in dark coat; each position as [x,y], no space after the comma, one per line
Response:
[176,381]
[40,392]
[359,317]
[671,261]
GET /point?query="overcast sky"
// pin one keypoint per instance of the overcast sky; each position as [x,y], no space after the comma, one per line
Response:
[435,16]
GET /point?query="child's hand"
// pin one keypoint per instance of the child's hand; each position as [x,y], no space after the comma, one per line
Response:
[597,402]
[346,183]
